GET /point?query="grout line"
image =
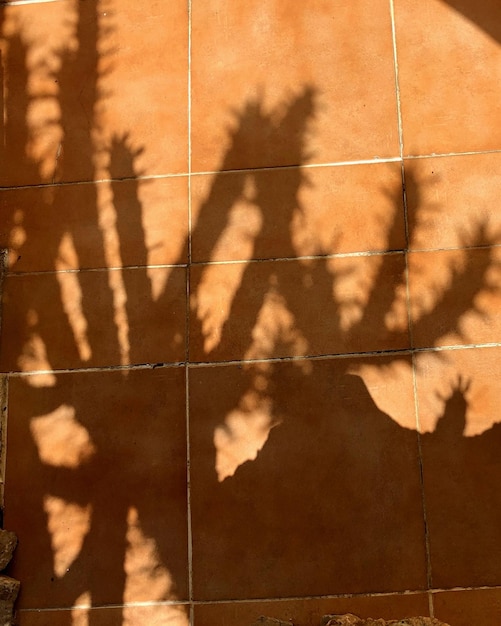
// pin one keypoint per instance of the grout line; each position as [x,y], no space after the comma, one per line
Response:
[285,359]
[100,607]
[318,257]
[397,85]
[345,355]
[97,181]
[439,155]
[429,578]
[393,594]
[102,368]
[147,177]
[88,270]
[5,3]
[187,332]
[409,592]
[409,316]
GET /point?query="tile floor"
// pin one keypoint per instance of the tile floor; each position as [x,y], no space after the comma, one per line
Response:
[251,317]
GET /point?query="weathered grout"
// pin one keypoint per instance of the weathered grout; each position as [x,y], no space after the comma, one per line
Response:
[313,257]
[6,3]
[327,164]
[191,616]
[382,594]
[284,359]
[409,314]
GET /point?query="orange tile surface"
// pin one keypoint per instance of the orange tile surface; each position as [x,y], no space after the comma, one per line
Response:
[323,70]
[77,106]
[458,395]
[250,328]
[294,308]
[91,319]
[466,607]
[123,223]
[297,212]
[449,75]
[304,511]
[455,296]
[453,201]
[107,511]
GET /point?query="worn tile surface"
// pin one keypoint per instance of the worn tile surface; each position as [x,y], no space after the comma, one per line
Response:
[466,607]
[458,405]
[104,455]
[96,90]
[449,75]
[295,308]
[69,320]
[273,73]
[297,212]
[250,323]
[124,223]
[300,510]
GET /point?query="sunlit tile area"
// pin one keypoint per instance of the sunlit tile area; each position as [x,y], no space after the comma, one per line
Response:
[251,316]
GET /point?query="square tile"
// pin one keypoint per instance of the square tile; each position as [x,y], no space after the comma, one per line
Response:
[297,212]
[449,75]
[296,308]
[31,114]
[279,85]
[97,87]
[455,296]
[458,399]
[310,611]
[99,461]
[300,484]
[96,225]
[453,201]
[68,320]
[469,606]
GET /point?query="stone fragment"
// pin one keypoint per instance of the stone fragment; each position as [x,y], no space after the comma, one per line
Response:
[353,620]
[9,588]
[8,543]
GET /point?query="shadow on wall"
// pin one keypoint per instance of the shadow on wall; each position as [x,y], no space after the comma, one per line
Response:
[327,493]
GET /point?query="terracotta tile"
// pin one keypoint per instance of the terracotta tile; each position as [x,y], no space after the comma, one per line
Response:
[309,612]
[129,616]
[97,88]
[301,485]
[455,296]
[453,201]
[296,308]
[96,225]
[275,85]
[70,320]
[458,396]
[285,213]
[32,36]
[467,607]
[449,100]
[99,462]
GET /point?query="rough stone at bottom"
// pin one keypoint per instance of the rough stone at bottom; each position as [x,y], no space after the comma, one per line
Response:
[353,620]
[9,588]
[8,543]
